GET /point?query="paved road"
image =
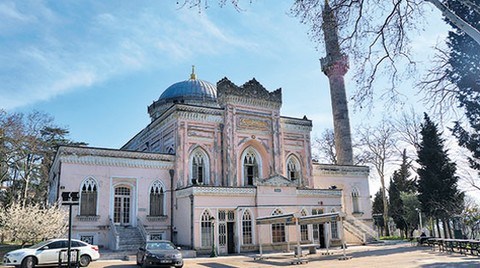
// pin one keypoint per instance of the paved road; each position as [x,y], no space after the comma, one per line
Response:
[384,256]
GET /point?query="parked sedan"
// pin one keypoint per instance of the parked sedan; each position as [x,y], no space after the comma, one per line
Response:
[159,253]
[48,252]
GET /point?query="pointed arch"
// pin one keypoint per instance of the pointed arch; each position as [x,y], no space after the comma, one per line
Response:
[278,229]
[247,234]
[304,227]
[199,166]
[251,166]
[294,168]
[206,228]
[157,199]
[334,227]
[88,197]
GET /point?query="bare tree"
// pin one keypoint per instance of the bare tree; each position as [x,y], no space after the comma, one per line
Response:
[378,143]
[324,147]
[374,33]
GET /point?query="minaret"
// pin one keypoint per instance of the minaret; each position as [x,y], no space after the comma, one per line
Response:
[335,66]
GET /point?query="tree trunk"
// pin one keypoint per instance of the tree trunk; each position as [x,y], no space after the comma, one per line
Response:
[449,228]
[439,234]
[445,231]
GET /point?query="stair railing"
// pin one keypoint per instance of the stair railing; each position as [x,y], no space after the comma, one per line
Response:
[114,236]
[142,230]
[361,225]
[354,230]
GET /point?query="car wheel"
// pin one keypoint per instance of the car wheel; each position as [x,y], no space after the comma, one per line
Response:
[84,260]
[28,262]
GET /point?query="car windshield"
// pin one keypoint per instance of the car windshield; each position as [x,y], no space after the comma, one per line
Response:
[160,245]
[41,244]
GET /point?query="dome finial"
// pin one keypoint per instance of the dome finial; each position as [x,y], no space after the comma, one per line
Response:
[193,76]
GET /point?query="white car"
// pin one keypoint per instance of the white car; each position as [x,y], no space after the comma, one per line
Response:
[48,253]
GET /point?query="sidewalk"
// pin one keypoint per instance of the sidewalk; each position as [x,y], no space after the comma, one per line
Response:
[370,256]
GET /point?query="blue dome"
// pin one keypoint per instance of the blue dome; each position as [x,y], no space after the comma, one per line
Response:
[192,89]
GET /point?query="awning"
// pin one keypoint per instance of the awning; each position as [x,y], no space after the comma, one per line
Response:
[290,219]
[320,218]
[283,218]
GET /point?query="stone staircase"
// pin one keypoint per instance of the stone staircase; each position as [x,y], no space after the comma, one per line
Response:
[130,239]
[364,233]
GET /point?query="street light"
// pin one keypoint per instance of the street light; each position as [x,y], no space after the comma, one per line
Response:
[214,252]
[420,217]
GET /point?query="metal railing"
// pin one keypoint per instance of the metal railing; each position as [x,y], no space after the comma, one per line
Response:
[142,229]
[114,236]
[362,226]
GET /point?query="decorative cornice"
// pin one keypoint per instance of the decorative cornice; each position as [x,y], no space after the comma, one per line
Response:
[252,93]
[319,192]
[216,190]
[110,157]
[296,121]
[338,171]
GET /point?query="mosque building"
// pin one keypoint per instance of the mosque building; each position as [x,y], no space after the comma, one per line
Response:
[213,160]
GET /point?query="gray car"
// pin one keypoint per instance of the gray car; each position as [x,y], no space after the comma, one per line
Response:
[159,253]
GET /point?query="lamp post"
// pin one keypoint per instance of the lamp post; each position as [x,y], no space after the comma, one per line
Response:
[420,218]
[214,252]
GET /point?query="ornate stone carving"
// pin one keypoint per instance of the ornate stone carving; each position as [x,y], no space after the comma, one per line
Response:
[253,123]
[275,180]
[251,89]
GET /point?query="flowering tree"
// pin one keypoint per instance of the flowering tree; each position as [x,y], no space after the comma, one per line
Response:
[32,223]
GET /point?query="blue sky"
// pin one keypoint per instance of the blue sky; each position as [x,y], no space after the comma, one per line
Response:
[96,65]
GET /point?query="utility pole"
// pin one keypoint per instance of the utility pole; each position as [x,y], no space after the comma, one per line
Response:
[335,66]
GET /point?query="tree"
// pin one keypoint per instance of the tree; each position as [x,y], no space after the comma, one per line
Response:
[411,205]
[28,143]
[376,34]
[464,73]
[437,182]
[324,147]
[395,208]
[379,146]
[32,223]
[400,184]
[377,210]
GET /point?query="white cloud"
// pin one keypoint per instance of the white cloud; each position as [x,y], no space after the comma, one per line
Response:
[8,10]
[65,53]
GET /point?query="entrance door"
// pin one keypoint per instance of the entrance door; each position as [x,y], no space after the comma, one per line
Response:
[230,237]
[318,235]
[121,209]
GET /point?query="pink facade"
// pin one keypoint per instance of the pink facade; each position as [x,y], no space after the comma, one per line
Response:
[213,158]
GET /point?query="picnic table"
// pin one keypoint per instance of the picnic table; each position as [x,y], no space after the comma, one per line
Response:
[462,246]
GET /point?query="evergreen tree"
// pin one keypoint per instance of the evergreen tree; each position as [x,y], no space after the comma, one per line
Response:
[377,210]
[437,183]
[401,177]
[464,72]
[399,184]
[395,206]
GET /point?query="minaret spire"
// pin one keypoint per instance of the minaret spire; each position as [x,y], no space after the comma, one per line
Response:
[335,66]
[193,76]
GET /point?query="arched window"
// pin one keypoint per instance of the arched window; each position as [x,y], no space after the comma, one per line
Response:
[157,199]
[355,203]
[278,229]
[293,168]
[334,228]
[206,229]
[88,198]
[199,167]
[304,228]
[250,166]
[247,228]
